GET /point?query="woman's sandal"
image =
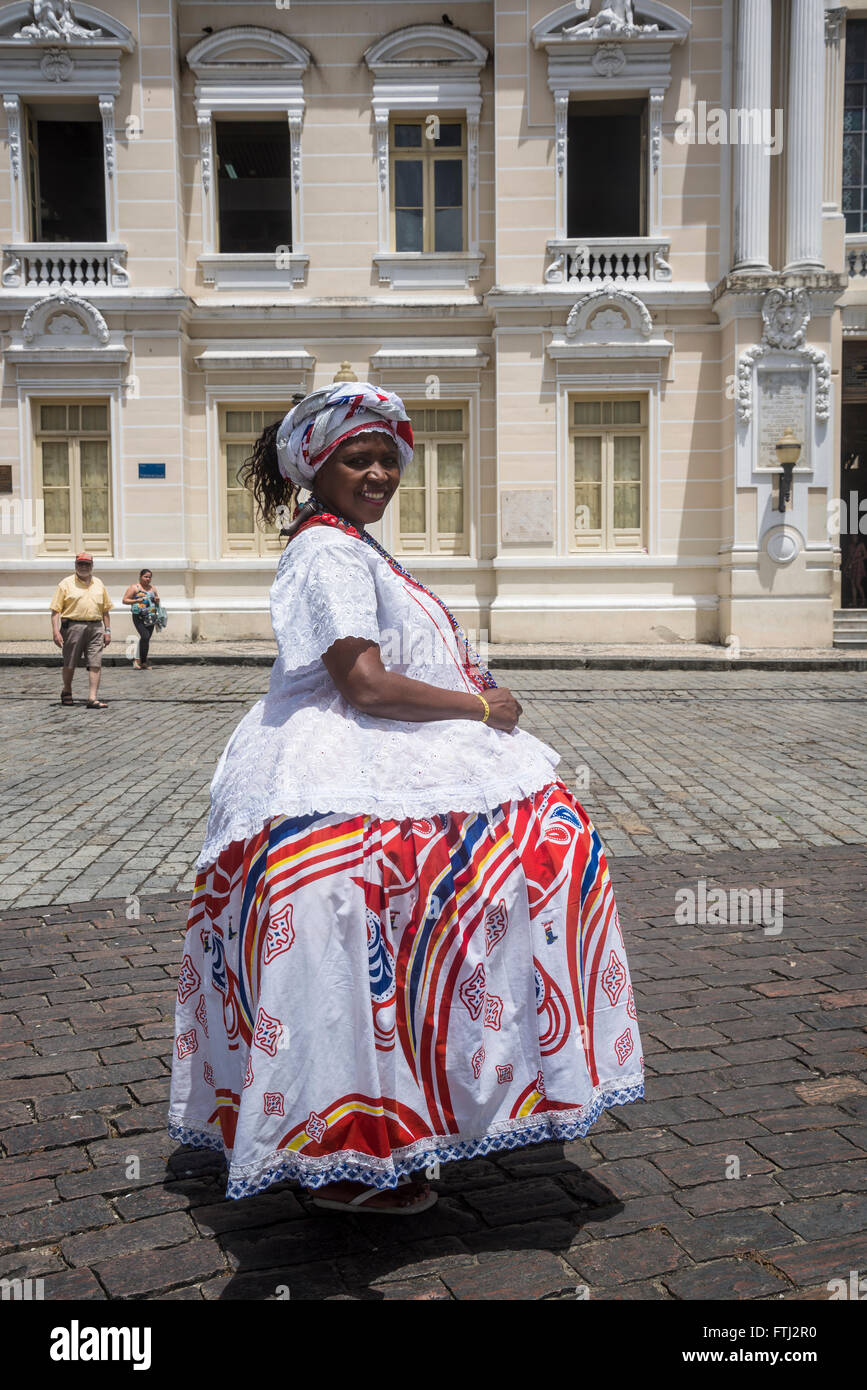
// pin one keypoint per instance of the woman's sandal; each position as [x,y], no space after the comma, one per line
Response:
[66,697]
[358,1204]
[96,704]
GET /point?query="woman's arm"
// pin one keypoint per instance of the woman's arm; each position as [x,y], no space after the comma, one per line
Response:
[355,666]
[128,594]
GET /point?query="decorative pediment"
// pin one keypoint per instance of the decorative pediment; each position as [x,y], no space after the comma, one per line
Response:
[66,326]
[421,47]
[58,23]
[620,20]
[609,321]
[65,315]
[249,53]
[609,314]
[620,46]
[50,47]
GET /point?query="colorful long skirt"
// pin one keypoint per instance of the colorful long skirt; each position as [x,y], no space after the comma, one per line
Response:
[361,998]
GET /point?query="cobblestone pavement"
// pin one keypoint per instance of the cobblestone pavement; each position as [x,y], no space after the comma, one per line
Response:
[114,802]
[743,1175]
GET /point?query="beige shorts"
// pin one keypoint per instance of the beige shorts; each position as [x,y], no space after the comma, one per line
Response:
[83,644]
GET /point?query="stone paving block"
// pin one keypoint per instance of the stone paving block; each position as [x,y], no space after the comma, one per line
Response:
[806,1147]
[420,1259]
[110,1178]
[53,1134]
[733,1194]
[802,1117]
[73,1284]
[526,1200]
[730,1233]
[626,1259]
[821,1217]
[636,1143]
[50,1222]
[30,1264]
[725,1279]
[631,1177]
[152,1233]
[313,1282]
[262,1211]
[821,1260]
[141,1118]
[151,1271]
[539,1274]
[695,1165]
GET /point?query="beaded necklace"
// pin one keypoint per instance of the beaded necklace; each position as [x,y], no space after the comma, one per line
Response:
[478,674]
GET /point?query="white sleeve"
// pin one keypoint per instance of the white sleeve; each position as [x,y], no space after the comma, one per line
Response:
[324,590]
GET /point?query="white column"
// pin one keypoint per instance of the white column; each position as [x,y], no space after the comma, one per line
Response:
[834,23]
[805,126]
[752,181]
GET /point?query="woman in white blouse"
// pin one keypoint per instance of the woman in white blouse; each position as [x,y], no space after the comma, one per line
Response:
[403,946]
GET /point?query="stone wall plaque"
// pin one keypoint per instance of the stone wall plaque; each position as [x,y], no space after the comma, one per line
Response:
[783,401]
[527,514]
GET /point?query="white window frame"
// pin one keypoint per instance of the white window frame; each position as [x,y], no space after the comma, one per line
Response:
[32,70]
[448,401]
[230,85]
[261,548]
[434,70]
[466,393]
[217,396]
[638,65]
[84,389]
[77,538]
[607,542]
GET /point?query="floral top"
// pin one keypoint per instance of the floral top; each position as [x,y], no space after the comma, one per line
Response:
[303,749]
[144,605]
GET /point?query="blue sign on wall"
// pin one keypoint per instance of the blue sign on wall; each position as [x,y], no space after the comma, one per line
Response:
[152,470]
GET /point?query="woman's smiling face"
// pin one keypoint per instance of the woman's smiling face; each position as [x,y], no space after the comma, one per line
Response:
[360,478]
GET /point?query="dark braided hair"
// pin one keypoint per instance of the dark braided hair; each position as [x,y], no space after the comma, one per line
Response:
[260,472]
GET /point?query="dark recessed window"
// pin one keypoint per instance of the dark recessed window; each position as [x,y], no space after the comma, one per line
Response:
[254,185]
[68,201]
[604,179]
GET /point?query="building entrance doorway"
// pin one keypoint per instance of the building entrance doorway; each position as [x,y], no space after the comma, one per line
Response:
[852,493]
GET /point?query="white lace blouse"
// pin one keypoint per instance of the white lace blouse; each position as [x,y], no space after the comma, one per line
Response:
[303,749]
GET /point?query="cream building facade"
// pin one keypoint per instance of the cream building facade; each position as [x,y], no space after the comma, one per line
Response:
[608,254]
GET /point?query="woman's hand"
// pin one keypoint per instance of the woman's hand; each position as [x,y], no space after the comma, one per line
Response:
[505,709]
[355,665]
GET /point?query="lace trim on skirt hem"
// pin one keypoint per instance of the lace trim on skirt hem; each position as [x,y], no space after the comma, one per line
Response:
[457,800]
[349,1165]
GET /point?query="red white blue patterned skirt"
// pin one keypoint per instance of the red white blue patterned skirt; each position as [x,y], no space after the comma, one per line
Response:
[362,998]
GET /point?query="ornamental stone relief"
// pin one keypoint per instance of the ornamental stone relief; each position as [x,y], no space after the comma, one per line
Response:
[613,17]
[785,314]
[55,19]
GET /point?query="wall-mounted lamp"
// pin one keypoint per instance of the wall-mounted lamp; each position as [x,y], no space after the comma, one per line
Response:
[788,451]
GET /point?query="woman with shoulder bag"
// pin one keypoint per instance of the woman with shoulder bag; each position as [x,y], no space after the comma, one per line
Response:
[145,602]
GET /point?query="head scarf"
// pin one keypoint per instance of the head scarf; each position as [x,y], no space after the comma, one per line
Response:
[315,427]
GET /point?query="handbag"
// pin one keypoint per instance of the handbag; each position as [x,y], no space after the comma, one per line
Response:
[162,617]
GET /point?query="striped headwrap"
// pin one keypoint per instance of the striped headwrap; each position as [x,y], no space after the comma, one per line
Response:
[315,427]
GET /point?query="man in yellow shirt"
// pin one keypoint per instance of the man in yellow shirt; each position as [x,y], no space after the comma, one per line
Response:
[80,625]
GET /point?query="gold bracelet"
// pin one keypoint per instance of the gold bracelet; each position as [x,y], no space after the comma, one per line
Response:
[487,713]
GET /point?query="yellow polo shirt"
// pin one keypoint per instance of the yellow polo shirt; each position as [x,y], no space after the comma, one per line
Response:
[79,602]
